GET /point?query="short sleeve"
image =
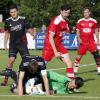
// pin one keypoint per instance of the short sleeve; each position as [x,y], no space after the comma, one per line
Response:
[41,63]
[95,26]
[6,26]
[52,27]
[78,26]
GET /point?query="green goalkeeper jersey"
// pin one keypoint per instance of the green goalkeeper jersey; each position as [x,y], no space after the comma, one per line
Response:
[58,82]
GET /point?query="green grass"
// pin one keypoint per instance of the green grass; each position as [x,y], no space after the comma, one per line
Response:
[1,25]
[91,87]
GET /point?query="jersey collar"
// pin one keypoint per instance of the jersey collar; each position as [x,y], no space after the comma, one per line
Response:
[61,17]
[16,18]
[87,19]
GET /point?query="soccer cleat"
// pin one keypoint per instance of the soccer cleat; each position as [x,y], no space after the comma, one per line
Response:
[6,73]
[98,73]
[12,87]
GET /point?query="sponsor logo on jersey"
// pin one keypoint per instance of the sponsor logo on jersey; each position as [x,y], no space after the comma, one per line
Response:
[16,28]
[87,30]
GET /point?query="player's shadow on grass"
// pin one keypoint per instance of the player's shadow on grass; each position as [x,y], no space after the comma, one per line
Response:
[81,92]
[89,79]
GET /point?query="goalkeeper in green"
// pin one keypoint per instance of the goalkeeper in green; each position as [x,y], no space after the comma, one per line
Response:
[61,84]
[58,84]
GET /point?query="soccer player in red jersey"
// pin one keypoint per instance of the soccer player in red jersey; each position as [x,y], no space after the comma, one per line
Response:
[86,27]
[53,41]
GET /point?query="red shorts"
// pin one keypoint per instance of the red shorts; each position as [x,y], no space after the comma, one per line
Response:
[82,49]
[48,53]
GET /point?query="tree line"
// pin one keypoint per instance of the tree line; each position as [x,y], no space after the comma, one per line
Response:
[40,12]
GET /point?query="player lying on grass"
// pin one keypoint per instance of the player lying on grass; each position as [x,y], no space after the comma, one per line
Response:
[30,67]
[58,84]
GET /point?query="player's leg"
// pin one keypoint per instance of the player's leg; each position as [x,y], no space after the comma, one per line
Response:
[96,55]
[81,51]
[97,60]
[69,69]
[47,54]
[23,50]
[11,59]
[77,63]
[66,59]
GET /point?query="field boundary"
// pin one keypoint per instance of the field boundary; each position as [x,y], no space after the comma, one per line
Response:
[38,96]
[79,66]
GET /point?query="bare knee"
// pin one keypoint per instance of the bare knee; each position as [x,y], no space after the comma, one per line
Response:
[66,59]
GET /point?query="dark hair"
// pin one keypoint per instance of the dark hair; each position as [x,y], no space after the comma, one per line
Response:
[86,8]
[79,82]
[32,66]
[65,7]
[13,7]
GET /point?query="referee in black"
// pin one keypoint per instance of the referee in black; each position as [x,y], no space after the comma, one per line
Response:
[15,31]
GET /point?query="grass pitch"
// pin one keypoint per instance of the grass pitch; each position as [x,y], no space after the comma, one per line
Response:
[87,70]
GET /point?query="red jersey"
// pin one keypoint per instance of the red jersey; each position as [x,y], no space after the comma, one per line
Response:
[87,28]
[58,26]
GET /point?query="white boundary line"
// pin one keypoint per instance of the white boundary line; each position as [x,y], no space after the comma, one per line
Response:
[80,66]
[53,96]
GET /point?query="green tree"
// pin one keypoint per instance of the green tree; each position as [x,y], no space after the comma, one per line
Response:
[4,7]
[41,11]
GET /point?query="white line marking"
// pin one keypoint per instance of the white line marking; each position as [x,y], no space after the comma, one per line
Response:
[53,96]
[80,66]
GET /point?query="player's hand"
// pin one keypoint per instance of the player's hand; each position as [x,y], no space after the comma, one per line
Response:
[5,47]
[80,41]
[47,93]
[57,54]
[97,43]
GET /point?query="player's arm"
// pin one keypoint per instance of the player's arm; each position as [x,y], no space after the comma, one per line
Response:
[51,39]
[45,80]
[6,37]
[78,36]
[97,36]
[20,83]
[78,28]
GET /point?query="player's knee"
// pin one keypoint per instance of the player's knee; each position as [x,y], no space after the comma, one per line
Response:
[79,56]
[66,59]
[65,56]
[96,57]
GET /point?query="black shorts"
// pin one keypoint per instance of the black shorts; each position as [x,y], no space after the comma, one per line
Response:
[22,49]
